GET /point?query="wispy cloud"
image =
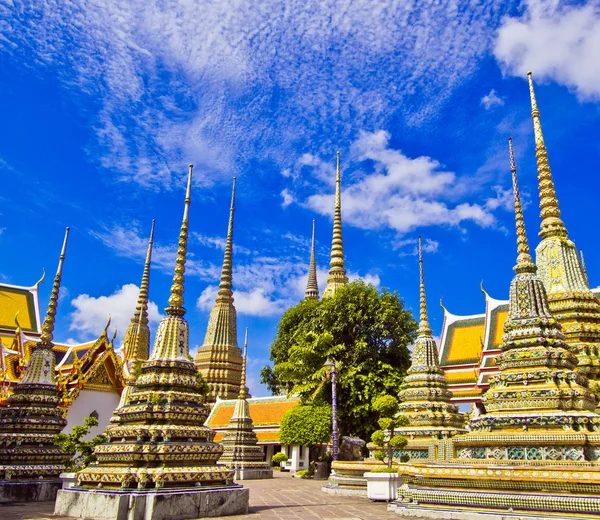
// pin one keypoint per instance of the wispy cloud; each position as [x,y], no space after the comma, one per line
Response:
[556,40]
[219,82]
[492,100]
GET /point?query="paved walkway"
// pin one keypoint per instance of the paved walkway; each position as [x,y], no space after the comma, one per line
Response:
[280,498]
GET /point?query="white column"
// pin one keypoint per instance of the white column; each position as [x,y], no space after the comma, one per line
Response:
[269,453]
[295,458]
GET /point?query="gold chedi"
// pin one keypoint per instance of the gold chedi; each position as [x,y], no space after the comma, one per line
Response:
[157,439]
[312,285]
[241,451]
[337,272]
[219,359]
[32,418]
[559,267]
[424,395]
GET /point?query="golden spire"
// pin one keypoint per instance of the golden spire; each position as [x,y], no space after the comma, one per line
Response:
[337,272]
[141,311]
[243,392]
[312,286]
[48,326]
[424,328]
[524,261]
[225,293]
[552,225]
[175,307]
[583,267]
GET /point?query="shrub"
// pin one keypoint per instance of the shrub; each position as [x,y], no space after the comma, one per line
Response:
[81,452]
[384,439]
[278,458]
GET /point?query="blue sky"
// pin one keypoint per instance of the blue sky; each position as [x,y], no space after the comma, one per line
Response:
[104,104]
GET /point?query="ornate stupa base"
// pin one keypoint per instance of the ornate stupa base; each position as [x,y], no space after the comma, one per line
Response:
[12,491]
[347,477]
[163,504]
[524,491]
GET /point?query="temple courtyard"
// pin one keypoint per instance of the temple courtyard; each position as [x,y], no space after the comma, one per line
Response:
[282,497]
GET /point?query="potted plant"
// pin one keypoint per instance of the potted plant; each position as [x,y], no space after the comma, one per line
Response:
[278,459]
[383,483]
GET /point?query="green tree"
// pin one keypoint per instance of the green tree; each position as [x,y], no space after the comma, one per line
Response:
[306,425]
[365,331]
[81,452]
[387,408]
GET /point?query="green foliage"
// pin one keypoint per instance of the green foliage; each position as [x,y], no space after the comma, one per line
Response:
[306,425]
[278,458]
[81,452]
[365,331]
[202,384]
[385,469]
[303,473]
[385,439]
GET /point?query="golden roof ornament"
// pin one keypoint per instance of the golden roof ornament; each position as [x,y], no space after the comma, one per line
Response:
[337,272]
[312,285]
[225,294]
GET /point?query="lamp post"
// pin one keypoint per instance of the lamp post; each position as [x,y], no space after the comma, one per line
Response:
[330,363]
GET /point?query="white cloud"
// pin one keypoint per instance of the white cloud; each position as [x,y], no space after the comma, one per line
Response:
[91,314]
[556,41]
[252,303]
[491,100]
[410,246]
[288,198]
[402,193]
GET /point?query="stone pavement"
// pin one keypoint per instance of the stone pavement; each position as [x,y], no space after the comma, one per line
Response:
[280,498]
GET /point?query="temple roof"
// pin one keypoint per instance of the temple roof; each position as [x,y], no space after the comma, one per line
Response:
[266,414]
[22,300]
[461,342]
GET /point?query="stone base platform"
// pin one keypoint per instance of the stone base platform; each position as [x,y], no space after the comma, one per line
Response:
[180,504]
[348,491]
[253,474]
[28,490]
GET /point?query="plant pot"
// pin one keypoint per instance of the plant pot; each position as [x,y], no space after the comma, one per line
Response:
[321,471]
[383,486]
[69,479]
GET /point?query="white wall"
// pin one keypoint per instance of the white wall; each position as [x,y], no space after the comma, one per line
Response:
[89,400]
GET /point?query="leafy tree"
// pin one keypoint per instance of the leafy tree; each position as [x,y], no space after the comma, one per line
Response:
[389,420]
[81,452]
[306,425]
[366,332]
[279,458]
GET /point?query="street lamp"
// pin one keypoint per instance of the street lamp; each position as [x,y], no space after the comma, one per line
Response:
[330,363]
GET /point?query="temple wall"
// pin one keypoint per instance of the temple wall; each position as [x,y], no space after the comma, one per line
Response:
[88,401]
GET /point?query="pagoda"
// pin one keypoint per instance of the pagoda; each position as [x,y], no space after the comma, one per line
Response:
[241,452]
[30,462]
[312,285]
[337,272]
[537,446]
[571,301]
[136,344]
[219,359]
[160,461]
[424,395]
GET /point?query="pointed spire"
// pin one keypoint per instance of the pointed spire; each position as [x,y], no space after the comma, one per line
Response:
[176,301]
[424,328]
[552,225]
[524,261]
[243,393]
[337,272]
[141,312]
[48,326]
[583,266]
[225,293]
[312,285]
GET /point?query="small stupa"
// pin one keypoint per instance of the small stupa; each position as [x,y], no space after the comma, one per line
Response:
[312,285]
[424,395]
[160,462]
[241,451]
[30,462]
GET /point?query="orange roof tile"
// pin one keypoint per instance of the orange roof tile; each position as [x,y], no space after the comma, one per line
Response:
[264,412]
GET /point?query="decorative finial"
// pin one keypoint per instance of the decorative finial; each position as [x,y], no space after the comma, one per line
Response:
[37,284]
[112,340]
[551,225]
[482,289]
[524,261]
[225,293]
[106,326]
[312,285]
[141,311]
[175,307]
[424,328]
[583,267]
[48,327]
[442,304]
[243,394]
[17,320]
